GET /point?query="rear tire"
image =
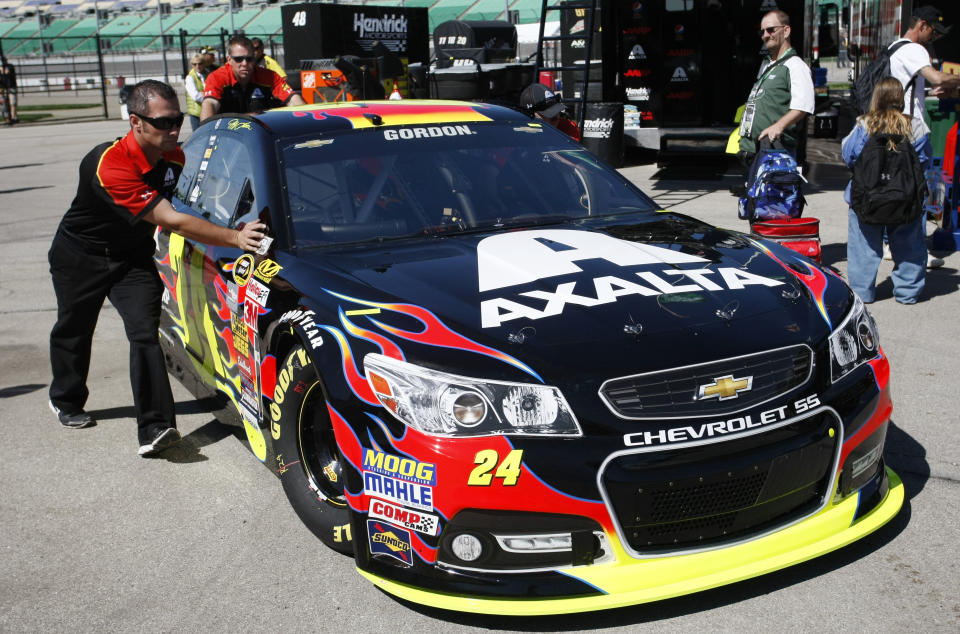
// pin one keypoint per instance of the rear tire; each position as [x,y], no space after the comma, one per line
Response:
[308,459]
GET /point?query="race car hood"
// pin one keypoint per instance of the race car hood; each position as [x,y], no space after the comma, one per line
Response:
[595,297]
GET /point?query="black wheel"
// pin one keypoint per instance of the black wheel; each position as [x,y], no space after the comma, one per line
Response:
[308,460]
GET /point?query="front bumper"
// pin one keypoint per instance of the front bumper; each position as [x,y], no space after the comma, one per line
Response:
[629,581]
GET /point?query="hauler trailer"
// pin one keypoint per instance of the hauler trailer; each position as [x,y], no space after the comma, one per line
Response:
[680,67]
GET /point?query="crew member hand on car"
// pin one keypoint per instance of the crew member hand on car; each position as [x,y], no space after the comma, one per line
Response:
[247,237]
[104,248]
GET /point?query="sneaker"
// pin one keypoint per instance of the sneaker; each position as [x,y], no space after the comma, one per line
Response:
[933,262]
[886,252]
[73,421]
[166,437]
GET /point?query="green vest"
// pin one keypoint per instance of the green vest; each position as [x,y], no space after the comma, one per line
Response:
[770,97]
[193,108]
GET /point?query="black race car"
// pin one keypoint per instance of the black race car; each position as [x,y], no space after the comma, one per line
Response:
[489,368]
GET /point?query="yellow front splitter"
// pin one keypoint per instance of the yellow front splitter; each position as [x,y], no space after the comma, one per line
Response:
[630,581]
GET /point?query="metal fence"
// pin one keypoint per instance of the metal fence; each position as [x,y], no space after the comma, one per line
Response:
[93,66]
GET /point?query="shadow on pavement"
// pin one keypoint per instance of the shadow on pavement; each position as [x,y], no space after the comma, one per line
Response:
[19,390]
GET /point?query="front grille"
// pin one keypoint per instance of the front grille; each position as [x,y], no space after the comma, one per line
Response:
[700,496]
[675,393]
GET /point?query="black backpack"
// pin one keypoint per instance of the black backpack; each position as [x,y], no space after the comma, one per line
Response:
[888,186]
[871,75]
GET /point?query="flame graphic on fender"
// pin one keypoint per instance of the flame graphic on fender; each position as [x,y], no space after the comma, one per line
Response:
[435,332]
[223,311]
[356,380]
[387,347]
[815,280]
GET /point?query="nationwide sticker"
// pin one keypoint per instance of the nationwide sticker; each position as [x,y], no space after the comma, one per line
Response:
[402,468]
[390,540]
[400,491]
[408,518]
[242,269]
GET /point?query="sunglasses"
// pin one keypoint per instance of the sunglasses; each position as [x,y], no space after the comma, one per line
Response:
[770,30]
[162,123]
[243,58]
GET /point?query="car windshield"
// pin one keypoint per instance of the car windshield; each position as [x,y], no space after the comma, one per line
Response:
[390,183]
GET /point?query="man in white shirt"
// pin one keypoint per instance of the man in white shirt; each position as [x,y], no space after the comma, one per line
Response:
[912,61]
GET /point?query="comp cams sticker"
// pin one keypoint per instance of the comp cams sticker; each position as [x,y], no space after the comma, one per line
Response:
[408,518]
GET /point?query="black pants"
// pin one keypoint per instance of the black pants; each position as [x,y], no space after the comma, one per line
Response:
[82,280]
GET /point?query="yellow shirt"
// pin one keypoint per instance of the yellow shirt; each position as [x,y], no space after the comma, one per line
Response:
[272,64]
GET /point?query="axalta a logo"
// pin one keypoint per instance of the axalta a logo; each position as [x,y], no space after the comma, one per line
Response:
[522,257]
[679,75]
[637,52]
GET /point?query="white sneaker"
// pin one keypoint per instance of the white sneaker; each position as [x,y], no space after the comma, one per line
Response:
[886,252]
[933,262]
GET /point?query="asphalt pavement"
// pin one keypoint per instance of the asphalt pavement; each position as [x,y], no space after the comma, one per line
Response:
[94,538]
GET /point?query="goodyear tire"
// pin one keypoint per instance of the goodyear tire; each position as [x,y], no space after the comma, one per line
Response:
[307,456]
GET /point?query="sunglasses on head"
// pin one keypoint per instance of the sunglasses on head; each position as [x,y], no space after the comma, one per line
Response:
[770,30]
[162,123]
[243,58]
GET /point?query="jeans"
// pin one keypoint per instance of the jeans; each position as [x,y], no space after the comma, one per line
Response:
[865,250]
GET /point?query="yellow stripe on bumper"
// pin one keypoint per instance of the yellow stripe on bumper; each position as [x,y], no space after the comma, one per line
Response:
[632,581]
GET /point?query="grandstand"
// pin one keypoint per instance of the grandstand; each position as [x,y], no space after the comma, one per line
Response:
[132,26]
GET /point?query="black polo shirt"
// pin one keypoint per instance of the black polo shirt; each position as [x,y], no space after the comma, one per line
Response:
[117,187]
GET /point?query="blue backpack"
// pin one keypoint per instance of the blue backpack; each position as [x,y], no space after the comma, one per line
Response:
[775,186]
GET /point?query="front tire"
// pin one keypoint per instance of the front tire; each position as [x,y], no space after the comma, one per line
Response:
[308,459]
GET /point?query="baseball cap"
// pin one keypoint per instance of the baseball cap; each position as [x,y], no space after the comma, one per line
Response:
[539,98]
[932,16]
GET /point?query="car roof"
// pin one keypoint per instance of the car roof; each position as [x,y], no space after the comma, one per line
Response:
[349,115]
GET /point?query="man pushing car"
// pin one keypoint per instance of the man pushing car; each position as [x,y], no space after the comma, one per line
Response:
[104,248]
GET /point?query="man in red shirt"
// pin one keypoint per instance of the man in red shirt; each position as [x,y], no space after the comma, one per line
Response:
[104,247]
[242,86]
[545,104]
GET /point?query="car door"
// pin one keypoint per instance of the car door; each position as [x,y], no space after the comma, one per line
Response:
[209,312]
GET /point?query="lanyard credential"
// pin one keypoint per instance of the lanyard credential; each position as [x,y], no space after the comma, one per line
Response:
[749,110]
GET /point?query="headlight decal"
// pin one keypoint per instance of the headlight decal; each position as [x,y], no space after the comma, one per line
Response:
[435,332]
[881,413]
[815,280]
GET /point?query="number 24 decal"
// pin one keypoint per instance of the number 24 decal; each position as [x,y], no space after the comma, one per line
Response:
[486,461]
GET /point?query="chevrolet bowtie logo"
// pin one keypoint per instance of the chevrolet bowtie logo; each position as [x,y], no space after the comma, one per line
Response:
[725,387]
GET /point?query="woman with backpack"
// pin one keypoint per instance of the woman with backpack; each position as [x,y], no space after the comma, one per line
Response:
[886,195]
